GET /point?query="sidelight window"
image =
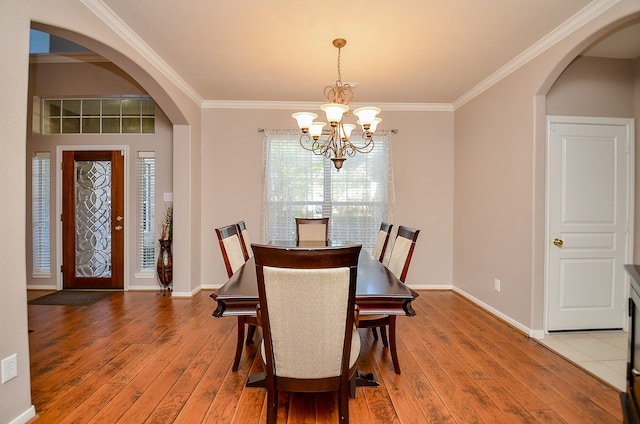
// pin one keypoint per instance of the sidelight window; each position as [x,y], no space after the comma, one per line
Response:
[146,191]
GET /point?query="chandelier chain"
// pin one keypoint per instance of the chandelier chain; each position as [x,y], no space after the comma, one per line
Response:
[339,74]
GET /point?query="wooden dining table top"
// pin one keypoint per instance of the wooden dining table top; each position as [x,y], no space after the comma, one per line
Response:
[378,290]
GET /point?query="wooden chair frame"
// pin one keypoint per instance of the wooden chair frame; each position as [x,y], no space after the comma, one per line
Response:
[246,248]
[302,258]
[251,321]
[390,320]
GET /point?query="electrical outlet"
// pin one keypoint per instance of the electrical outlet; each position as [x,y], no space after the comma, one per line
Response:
[9,368]
[496,284]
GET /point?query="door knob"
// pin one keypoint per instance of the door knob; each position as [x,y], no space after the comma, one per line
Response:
[558,242]
[119,218]
[118,227]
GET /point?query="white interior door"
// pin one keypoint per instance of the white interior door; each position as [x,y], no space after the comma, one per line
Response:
[589,221]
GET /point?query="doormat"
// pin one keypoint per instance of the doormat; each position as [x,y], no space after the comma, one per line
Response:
[72,298]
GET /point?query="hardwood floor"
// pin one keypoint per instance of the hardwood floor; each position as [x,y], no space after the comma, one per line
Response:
[142,358]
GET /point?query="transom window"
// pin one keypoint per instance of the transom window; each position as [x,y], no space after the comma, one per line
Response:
[119,115]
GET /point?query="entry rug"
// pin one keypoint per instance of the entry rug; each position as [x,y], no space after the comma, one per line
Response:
[72,298]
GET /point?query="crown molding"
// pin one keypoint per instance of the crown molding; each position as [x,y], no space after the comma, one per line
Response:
[104,13]
[387,107]
[591,11]
[567,28]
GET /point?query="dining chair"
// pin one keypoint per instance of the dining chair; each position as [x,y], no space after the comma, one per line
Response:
[308,291]
[312,229]
[231,248]
[382,240]
[233,254]
[245,241]
[399,262]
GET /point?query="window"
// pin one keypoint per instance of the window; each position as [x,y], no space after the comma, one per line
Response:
[146,192]
[40,213]
[120,115]
[299,183]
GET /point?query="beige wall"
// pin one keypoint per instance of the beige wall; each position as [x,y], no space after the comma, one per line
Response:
[423,171]
[499,181]
[498,202]
[180,108]
[15,395]
[492,198]
[636,108]
[602,88]
[592,86]
[86,80]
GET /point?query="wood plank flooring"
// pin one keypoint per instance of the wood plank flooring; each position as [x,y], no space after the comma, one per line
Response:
[138,357]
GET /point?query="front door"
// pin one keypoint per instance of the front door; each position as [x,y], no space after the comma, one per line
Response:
[93,219]
[589,213]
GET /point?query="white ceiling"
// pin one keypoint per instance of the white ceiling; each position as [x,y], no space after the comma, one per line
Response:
[411,51]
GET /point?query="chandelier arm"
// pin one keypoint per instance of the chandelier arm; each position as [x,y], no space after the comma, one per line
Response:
[335,145]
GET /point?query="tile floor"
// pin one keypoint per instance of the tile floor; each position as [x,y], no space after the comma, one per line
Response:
[602,353]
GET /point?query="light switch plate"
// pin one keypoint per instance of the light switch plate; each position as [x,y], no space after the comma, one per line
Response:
[9,368]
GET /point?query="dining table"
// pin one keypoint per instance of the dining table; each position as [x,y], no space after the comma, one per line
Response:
[378,291]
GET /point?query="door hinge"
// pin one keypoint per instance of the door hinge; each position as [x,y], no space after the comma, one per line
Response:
[61,270]
[60,217]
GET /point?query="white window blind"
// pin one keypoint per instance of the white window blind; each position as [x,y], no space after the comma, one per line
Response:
[146,193]
[41,213]
[299,183]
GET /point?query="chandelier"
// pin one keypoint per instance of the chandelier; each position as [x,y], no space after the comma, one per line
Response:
[338,142]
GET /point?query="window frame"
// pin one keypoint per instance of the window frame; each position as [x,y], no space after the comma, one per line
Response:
[289,171]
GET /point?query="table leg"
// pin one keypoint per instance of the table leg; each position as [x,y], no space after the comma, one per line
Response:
[392,343]
[239,343]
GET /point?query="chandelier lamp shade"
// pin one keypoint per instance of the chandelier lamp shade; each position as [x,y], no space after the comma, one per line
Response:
[338,143]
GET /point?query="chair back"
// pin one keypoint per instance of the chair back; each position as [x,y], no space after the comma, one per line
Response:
[312,229]
[307,303]
[245,241]
[231,248]
[382,240]
[403,251]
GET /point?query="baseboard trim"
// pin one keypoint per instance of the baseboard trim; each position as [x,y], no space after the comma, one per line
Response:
[25,416]
[529,332]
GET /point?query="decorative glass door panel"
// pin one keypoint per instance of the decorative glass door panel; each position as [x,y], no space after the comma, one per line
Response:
[93,218]
[93,223]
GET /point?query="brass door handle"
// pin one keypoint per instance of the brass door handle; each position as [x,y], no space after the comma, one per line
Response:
[118,227]
[558,242]
[119,218]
